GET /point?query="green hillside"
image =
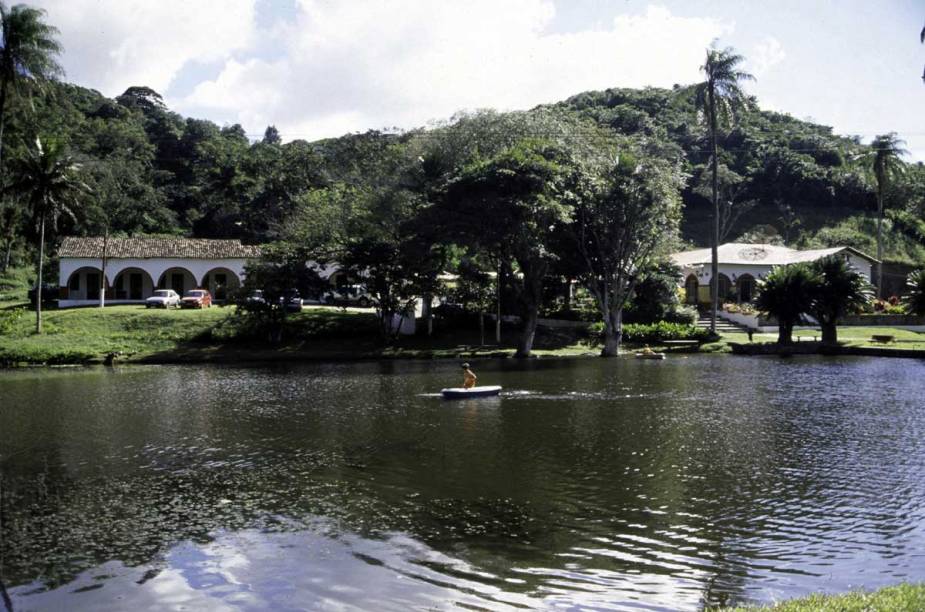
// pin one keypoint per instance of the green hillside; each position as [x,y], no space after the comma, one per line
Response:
[808,186]
[153,171]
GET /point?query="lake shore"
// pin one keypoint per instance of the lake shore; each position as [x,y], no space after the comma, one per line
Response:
[133,334]
[903,597]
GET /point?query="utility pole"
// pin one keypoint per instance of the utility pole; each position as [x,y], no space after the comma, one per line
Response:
[103,275]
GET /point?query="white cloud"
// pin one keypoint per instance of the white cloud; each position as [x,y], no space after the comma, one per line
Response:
[765,55]
[350,66]
[113,44]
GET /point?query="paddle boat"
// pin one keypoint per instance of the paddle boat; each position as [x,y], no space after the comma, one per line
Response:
[650,355]
[463,393]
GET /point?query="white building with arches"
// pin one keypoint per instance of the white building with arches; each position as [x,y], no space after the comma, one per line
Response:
[135,267]
[741,265]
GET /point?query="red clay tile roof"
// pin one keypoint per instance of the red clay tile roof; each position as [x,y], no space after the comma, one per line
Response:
[154,247]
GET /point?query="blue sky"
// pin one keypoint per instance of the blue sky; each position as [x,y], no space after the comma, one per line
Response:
[318,68]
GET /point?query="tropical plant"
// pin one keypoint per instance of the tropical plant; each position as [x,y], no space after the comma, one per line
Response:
[719,98]
[785,294]
[46,178]
[840,290]
[27,53]
[886,164]
[914,300]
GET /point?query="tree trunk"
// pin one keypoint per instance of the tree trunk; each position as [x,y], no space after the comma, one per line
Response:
[427,312]
[3,86]
[482,327]
[829,334]
[879,243]
[613,334]
[785,334]
[7,254]
[525,343]
[38,290]
[714,255]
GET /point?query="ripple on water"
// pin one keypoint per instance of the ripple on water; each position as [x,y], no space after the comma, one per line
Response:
[597,484]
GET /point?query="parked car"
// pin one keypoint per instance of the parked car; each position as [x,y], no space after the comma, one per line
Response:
[196,298]
[163,298]
[256,297]
[348,295]
[291,301]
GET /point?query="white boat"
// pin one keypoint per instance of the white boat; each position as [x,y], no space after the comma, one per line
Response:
[650,355]
[462,393]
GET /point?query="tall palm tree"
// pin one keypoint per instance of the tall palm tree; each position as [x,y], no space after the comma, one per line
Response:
[27,52]
[47,180]
[887,163]
[719,99]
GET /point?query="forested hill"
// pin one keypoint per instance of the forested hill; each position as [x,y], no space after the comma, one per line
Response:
[154,171]
[790,180]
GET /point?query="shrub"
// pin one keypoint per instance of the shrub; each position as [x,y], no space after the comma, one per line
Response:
[8,318]
[653,333]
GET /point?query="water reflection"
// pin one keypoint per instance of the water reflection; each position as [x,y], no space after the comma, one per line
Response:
[617,484]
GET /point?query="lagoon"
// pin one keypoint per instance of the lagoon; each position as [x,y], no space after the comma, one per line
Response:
[608,484]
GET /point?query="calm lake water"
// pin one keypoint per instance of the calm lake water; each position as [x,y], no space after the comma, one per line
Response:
[588,484]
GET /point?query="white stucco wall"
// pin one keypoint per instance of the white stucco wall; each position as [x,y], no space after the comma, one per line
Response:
[197,268]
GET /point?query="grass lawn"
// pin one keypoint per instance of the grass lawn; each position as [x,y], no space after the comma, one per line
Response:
[850,335]
[87,335]
[899,598]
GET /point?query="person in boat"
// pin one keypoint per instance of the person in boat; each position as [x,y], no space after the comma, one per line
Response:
[469,377]
[647,351]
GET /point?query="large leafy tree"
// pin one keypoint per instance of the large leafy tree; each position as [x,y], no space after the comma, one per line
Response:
[512,205]
[719,98]
[622,230]
[28,52]
[785,294]
[886,164]
[839,290]
[47,179]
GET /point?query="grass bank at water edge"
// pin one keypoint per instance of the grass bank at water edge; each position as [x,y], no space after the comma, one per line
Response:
[899,598]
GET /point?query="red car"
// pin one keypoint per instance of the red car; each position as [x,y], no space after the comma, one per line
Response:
[197,298]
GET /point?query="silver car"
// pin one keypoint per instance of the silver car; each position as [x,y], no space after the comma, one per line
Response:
[163,298]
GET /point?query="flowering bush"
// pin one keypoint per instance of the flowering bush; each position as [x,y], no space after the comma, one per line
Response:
[746,309]
[887,306]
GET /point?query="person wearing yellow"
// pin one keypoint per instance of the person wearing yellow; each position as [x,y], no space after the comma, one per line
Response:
[469,377]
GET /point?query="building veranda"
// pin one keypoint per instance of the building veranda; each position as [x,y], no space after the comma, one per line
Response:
[741,265]
[132,268]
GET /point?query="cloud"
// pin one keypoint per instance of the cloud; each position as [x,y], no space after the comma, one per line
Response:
[351,66]
[112,44]
[765,55]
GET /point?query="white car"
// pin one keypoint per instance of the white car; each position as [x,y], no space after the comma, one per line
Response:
[163,298]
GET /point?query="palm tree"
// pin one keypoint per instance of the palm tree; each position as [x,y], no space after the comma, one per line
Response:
[886,156]
[915,293]
[47,179]
[27,52]
[841,290]
[785,294]
[719,98]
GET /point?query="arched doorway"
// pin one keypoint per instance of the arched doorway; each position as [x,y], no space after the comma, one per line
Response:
[221,283]
[132,284]
[180,280]
[725,288]
[745,286]
[691,289]
[85,283]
